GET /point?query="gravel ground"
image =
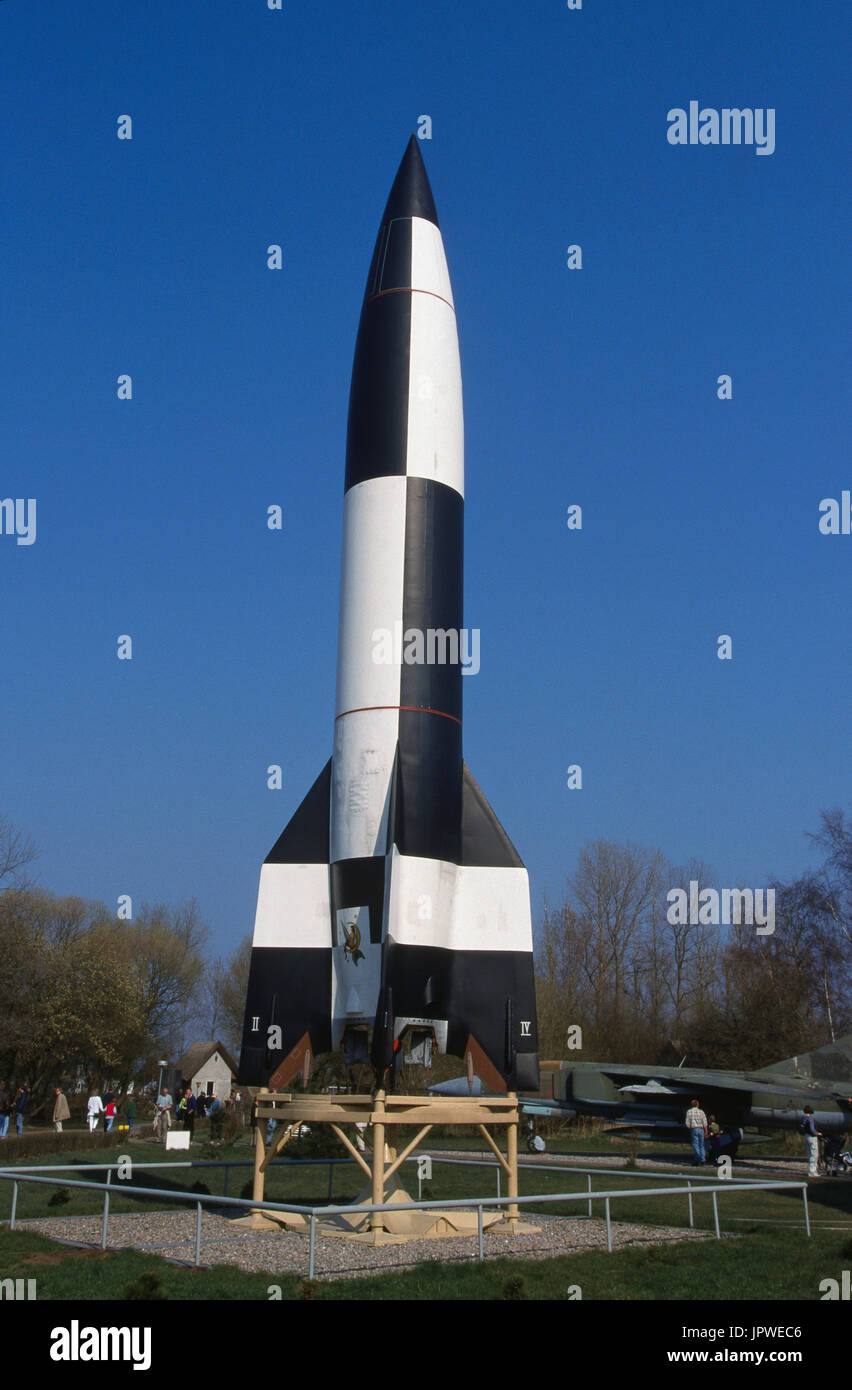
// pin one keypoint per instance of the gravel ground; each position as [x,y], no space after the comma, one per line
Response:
[173,1236]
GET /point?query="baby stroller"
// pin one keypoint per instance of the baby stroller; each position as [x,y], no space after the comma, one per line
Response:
[725,1143]
[834,1159]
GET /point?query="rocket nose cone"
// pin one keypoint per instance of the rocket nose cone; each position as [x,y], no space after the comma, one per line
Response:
[411,195]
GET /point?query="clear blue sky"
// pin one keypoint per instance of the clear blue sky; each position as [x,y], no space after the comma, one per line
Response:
[595,387]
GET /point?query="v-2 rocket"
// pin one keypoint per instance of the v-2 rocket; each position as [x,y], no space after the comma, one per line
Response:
[394,904]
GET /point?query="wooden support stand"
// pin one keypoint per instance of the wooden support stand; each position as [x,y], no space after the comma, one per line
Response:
[256,1218]
[385,1113]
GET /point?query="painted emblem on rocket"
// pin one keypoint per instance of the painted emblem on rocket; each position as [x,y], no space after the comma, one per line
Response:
[352,941]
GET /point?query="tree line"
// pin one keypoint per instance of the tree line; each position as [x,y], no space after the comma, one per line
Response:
[88,999]
[642,988]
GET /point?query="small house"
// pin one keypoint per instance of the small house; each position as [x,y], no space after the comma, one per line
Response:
[208,1069]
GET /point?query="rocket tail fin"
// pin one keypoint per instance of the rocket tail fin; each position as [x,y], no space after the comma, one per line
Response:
[484,841]
[288,1006]
[502,880]
[459,949]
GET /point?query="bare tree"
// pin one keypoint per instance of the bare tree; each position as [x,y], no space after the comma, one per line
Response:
[16,852]
[610,901]
[692,971]
[562,993]
[234,991]
[211,1002]
[164,947]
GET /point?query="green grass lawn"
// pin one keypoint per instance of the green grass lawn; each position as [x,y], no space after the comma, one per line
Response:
[765,1254]
[585,1135]
[769,1265]
[309,1186]
[829,1199]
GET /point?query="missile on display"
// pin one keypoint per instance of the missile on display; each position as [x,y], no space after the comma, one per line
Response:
[393,912]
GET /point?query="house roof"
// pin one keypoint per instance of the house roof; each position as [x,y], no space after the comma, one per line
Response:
[198,1054]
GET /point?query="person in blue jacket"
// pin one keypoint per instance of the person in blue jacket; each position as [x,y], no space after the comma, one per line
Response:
[807,1127]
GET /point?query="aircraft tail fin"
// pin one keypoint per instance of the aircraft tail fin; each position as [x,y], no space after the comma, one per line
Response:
[830,1063]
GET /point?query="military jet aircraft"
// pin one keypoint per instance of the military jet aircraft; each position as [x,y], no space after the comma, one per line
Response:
[650,1102]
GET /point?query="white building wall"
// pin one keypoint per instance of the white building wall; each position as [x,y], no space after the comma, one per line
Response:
[217,1071]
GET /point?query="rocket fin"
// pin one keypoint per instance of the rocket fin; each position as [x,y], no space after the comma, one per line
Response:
[484,841]
[305,838]
[458,945]
[288,1006]
[503,1031]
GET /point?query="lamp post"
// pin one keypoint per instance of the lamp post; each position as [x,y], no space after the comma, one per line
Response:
[162,1064]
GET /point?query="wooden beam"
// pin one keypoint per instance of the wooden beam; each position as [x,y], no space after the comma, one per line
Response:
[389,1172]
[272,1101]
[440,1114]
[484,1102]
[512,1213]
[376,1222]
[259,1156]
[307,1110]
[397,1110]
[278,1144]
[318,1097]
[494,1149]
[347,1142]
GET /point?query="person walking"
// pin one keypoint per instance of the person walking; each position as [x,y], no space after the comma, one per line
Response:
[807,1127]
[5,1107]
[110,1112]
[696,1122]
[189,1113]
[217,1117]
[94,1110]
[20,1110]
[130,1112]
[61,1112]
[163,1116]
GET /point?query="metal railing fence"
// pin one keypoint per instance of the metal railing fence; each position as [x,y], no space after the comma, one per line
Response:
[480,1204]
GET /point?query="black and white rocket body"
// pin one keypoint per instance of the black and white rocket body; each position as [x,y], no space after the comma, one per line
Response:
[394,902]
